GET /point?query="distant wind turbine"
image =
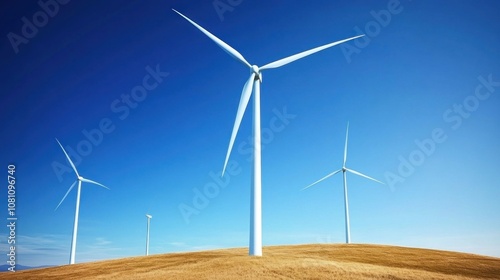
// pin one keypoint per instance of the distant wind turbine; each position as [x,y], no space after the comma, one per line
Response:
[255,246]
[147,234]
[346,203]
[79,179]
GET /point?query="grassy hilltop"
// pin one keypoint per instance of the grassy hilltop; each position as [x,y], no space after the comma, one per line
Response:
[316,261]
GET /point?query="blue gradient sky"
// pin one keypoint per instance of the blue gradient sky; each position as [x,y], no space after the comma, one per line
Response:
[405,81]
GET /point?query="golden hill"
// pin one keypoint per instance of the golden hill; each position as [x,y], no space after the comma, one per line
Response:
[317,261]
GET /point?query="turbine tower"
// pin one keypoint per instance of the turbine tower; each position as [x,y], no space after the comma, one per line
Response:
[79,179]
[253,83]
[344,169]
[147,233]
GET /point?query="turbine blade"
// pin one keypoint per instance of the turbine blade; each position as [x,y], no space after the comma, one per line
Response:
[234,53]
[245,97]
[327,176]
[345,147]
[70,188]
[294,57]
[363,175]
[70,162]
[93,182]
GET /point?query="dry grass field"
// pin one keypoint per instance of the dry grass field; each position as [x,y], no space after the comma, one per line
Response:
[317,261]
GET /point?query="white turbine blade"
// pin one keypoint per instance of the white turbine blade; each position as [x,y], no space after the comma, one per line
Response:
[234,53]
[345,147]
[93,182]
[70,188]
[67,156]
[245,97]
[327,176]
[363,175]
[292,58]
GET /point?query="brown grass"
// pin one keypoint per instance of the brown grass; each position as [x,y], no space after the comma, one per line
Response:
[318,261]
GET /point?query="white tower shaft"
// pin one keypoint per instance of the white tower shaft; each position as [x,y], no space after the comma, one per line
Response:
[346,205]
[75,226]
[147,237]
[255,246]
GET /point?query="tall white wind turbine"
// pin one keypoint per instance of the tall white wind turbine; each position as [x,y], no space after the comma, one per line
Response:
[253,83]
[79,179]
[147,234]
[344,169]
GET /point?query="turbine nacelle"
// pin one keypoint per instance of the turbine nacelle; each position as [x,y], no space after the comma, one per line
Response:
[255,70]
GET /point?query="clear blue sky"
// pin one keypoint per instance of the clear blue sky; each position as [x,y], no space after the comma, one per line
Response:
[430,70]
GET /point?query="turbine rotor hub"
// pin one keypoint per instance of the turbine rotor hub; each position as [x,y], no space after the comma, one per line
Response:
[255,69]
[258,75]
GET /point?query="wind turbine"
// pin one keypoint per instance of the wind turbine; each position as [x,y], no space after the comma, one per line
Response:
[147,234]
[79,179]
[344,169]
[253,82]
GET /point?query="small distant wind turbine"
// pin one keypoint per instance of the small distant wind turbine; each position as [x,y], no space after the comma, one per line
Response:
[255,246]
[346,203]
[147,234]
[79,179]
